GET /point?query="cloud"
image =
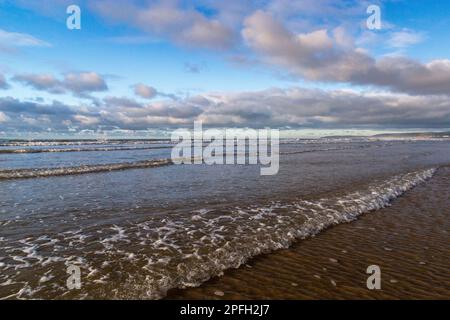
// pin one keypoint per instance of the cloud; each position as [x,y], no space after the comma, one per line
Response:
[15,106]
[406,75]
[80,84]
[314,55]
[145,91]
[277,108]
[86,120]
[317,48]
[3,83]
[319,56]
[121,102]
[44,82]
[129,114]
[404,38]
[9,40]
[28,116]
[3,117]
[297,107]
[191,67]
[84,82]
[185,26]
[148,92]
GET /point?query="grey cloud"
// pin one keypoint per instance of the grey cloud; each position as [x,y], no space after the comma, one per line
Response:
[80,83]
[3,117]
[320,56]
[276,108]
[121,102]
[28,116]
[145,91]
[317,108]
[3,83]
[84,82]
[160,111]
[15,106]
[403,74]
[184,25]
[44,82]
[149,92]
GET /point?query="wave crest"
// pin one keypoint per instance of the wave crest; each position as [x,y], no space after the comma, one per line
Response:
[64,171]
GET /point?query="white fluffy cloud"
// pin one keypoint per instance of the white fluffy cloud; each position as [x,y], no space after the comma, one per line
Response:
[330,56]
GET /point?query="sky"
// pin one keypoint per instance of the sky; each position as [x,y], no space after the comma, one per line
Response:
[144,68]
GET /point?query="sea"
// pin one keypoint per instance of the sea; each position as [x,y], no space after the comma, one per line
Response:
[140,227]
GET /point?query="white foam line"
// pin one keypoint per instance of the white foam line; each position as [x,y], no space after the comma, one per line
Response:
[49,172]
[225,257]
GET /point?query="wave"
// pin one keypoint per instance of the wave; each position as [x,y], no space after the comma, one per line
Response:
[188,248]
[64,171]
[341,148]
[83,169]
[51,143]
[36,143]
[13,151]
[229,240]
[325,150]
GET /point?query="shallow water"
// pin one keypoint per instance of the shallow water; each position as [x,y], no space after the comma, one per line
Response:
[409,241]
[137,229]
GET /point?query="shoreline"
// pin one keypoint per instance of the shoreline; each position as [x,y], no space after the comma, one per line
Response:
[408,240]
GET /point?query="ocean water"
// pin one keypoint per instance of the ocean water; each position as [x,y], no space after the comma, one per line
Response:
[138,225]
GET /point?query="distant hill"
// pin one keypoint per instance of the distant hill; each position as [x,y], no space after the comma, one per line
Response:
[414,135]
[404,135]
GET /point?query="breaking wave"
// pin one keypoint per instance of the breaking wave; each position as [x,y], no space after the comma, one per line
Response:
[40,143]
[64,171]
[33,150]
[186,249]
[262,230]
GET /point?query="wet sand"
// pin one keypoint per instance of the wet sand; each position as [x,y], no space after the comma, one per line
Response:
[409,241]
